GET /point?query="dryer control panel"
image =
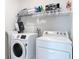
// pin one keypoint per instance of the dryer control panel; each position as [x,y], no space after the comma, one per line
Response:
[55,33]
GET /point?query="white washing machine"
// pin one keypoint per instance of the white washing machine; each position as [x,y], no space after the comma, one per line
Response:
[23,46]
[54,45]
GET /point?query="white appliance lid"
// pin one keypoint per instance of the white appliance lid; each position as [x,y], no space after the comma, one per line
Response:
[55,36]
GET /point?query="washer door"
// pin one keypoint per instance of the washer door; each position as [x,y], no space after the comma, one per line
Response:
[17,49]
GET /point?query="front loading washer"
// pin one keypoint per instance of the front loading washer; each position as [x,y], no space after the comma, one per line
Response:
[23,46]
[54,45]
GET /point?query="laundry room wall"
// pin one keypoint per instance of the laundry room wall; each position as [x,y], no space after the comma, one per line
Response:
[52,23]
[12,8]
[61,23]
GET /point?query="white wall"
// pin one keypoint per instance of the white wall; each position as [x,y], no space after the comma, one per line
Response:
[55,23]
[62,23]
[12,8]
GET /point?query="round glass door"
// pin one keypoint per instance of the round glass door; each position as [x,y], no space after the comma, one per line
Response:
[17,49]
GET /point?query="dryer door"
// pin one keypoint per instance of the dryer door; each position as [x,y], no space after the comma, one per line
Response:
[17,50]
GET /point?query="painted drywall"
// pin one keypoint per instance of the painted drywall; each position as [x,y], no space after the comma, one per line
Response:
[61,23]
[52,23]
[12,8]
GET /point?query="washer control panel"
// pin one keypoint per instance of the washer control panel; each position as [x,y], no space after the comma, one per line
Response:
[21,36]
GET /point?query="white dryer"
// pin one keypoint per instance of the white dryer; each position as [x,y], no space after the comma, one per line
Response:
[23,46]
[54,45]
